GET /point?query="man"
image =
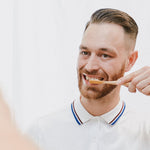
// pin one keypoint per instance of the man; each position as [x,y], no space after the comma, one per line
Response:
[100,120]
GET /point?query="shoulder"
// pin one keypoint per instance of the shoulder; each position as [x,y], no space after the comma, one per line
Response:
[136,119]
[62,115]
[52,121]
[137,113]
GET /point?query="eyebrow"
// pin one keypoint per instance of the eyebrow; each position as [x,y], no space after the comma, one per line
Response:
[83,47]
[100,49]
[108,50]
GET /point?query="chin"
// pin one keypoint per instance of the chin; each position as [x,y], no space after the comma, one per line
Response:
[94,93]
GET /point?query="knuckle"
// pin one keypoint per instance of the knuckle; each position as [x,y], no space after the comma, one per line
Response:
[146,91]
[132,88]
[134,81]
[139,87]
[132,91]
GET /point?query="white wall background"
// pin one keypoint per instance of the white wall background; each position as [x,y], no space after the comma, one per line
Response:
[39,42]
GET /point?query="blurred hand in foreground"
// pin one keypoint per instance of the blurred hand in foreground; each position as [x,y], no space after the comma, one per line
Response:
[10,136]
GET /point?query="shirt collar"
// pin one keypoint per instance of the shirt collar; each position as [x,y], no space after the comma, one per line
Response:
[81,115]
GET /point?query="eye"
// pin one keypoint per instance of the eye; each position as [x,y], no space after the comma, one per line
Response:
[105,56]
[85,53]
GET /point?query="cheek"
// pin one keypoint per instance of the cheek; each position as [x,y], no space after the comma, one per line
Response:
[80,63]
[109,71]
[114,68]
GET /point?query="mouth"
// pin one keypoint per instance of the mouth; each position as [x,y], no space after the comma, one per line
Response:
[92,77]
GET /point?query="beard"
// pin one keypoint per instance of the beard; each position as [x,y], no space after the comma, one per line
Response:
[101,90]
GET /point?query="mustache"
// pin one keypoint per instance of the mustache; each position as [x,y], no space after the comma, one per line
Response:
[95,73]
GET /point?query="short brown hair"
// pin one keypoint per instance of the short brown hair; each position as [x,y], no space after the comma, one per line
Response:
[118,17]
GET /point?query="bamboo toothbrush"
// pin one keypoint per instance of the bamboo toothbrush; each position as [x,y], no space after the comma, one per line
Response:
[106,82]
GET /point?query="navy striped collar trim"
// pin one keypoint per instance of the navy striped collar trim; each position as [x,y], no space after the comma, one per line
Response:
[81,115]
[77,118]
[119,114]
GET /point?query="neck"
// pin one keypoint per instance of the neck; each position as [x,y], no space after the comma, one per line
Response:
[97,107]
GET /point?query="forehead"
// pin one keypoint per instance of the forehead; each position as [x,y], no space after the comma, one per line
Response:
[104,35]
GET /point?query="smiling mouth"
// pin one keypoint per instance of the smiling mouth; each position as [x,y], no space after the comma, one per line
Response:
[87,77]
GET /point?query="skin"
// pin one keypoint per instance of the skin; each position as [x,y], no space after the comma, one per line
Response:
[104,53]
[139,80]
[10,136]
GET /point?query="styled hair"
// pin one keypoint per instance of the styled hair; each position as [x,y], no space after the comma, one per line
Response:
[115,16]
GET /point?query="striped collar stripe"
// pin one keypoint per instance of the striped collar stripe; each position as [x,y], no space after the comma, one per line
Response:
[75,114]
[118,115]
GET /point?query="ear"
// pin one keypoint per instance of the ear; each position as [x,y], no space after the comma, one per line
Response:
[131,60]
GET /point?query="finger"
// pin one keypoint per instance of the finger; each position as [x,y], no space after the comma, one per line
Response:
[141,77]
[131,88]
[131,76]
[127,78]
[143,84]
[146,90]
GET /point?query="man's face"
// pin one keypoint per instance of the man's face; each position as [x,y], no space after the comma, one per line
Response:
[103,55]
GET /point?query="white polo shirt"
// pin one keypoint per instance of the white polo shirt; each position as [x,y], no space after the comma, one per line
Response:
[74,128]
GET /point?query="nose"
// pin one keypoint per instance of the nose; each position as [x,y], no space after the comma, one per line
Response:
[93,64]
